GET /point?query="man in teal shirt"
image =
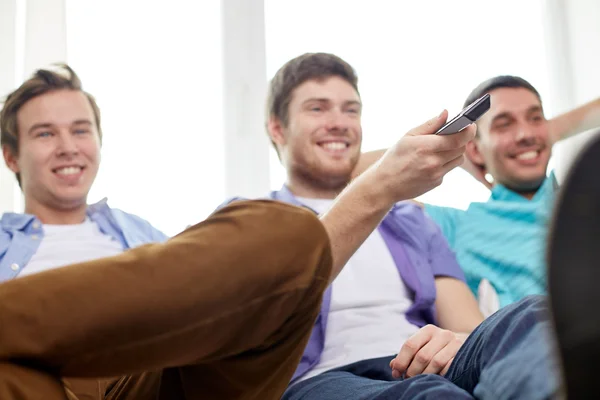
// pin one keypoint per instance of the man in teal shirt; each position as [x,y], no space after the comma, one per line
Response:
[502,240]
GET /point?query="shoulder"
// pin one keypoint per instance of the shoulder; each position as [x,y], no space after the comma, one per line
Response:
[409,221]
[10,224]
[409,212]
[129,222]
[230,200]
[5,240]
[408,208]
[444,215]
[233,199]
[14,222]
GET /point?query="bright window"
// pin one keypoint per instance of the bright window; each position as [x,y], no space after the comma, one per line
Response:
[413,59]
[155,69]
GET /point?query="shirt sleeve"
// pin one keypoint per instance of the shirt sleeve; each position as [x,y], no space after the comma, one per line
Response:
[441,258]
[416,227]
[157,235]
[447,219]
[153,233]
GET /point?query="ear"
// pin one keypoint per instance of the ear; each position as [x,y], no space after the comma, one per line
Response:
[473,154]
[276,131]
[10,159]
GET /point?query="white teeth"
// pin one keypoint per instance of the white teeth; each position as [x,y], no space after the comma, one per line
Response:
[528,156]
[68,171]
[334,145]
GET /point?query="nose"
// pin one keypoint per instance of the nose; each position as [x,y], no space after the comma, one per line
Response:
[336,121]
[67,145]
[524,134]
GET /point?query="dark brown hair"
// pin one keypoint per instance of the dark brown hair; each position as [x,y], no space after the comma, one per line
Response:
[295,72]
[499,82]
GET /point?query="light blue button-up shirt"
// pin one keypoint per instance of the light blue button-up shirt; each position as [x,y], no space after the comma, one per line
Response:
[21,234]
[502,240]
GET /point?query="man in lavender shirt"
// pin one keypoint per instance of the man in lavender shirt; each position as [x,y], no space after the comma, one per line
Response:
[403,289]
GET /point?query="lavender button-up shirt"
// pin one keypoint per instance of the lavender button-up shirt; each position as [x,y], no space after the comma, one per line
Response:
[420,253]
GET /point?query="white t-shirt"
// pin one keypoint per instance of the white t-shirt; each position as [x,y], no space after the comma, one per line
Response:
[367,317]
[69,244]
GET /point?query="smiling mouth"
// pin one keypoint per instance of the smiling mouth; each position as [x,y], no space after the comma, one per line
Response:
[529,155]
[68,171]
[334,146]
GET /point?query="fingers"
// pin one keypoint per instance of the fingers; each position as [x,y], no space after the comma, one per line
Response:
[447,367]
[433,350]
[450,165]
[431,126]
[441,361]
[429,351]
[477,171]
[410,348]
[449,155]
[439,164]
[454,141]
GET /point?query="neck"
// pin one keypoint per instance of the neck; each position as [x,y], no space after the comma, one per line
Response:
[55,216]
[311,190]
[528,195]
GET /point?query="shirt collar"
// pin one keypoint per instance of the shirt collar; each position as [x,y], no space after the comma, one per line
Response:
[285,194]
[99,207]
[18,222]
[502,193]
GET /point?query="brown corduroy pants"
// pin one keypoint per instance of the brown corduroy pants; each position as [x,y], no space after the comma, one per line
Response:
[221,311]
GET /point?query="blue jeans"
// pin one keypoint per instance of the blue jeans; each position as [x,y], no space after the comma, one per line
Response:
[508,356]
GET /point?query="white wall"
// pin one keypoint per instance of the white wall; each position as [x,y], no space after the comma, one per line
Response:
[45,34]
[8,47]
[245,85]
[32,35]
[576,38]
[573,33]
[414,78]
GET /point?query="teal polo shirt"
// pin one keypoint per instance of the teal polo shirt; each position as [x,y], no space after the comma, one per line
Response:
[501,240]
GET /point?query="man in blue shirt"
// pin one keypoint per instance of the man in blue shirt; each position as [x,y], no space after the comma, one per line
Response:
[51,137]
[502,241]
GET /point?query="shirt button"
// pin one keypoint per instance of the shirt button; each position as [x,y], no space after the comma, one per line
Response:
[34,237]
[14,267]
[36,225]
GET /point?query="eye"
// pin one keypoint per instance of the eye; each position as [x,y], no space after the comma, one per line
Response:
[316,108]
[537,118]
[502,125]
[44,134]
[81,131]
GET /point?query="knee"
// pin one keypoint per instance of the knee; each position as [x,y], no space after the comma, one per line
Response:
[295,250]
[536,301]
[285,223]
[527,312]
[281,233]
